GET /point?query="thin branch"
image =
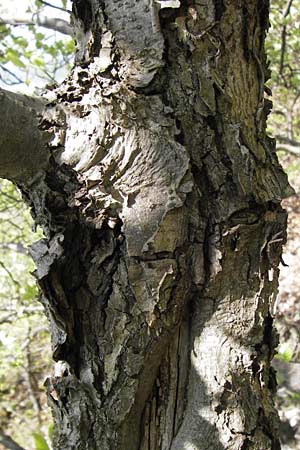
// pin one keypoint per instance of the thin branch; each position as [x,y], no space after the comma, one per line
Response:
[283,37]
[8,319]
[6,208]
[288,8]
[9,274]
[279,112]
[297,96]
[14,224]
[283,47]
[54,24]
[14,247]
[18,80]
[9,443]
[286,140]
[31,382]
[22,310]
[288,148]
[288,145]
[10,197]
[55,7]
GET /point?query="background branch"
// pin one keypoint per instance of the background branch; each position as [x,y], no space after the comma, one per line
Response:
[283,36]
[289,148]
[54,24]
[14,247]
[9,443]
[54,6]
[286,140]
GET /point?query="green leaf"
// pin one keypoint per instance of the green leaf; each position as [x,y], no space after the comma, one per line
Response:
[285,353]
[70,46]
[22,42]
[51,431]
[13,56]
[40,442]
[38,62]
[39,36]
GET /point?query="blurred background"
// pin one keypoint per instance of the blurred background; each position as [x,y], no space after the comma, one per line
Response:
[36,50]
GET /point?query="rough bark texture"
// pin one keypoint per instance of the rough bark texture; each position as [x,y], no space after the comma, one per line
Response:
[161,209]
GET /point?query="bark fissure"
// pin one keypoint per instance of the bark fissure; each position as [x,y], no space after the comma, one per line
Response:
[177,399]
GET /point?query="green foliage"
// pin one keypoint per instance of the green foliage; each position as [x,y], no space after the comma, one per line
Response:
[283,48]
[13,56]
[40,442]
[34,56]
[294,398]
[24,338]
[284,44]
[285,353]
[51,431]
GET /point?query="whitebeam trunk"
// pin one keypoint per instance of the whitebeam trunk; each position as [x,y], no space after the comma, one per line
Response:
[161,206]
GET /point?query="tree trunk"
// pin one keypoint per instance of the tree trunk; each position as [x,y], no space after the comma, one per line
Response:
[161,209]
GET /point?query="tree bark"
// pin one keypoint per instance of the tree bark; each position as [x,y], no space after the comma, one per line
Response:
[161,209]
[24,152]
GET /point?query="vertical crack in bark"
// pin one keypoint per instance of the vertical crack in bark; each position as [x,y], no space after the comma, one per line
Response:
[83,10]
[164,407]
[245,33]
[219,9]
[175,418]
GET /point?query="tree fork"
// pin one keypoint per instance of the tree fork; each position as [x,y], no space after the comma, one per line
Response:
[160,201]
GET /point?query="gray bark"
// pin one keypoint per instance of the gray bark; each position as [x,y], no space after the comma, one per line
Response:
[24,152]
[161,208]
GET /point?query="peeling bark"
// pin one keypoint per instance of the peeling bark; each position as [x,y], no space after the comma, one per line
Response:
[161,209]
